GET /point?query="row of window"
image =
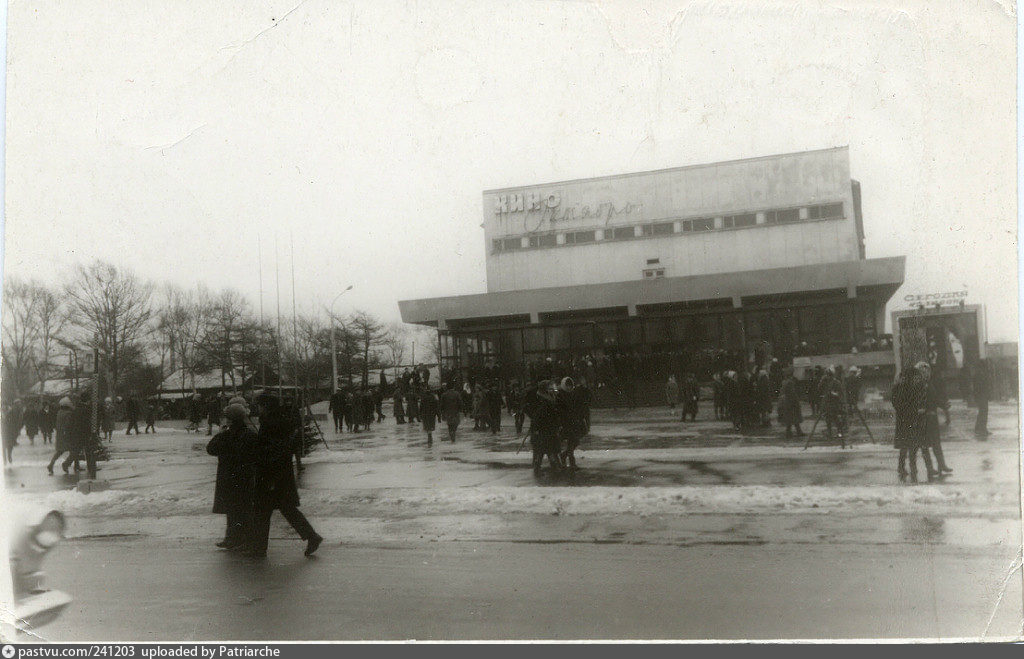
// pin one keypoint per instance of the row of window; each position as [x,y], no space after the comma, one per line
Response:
[738,221]
[823,328]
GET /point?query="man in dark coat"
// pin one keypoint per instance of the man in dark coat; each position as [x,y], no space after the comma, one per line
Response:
[274,482]
[336,406]
[544,425]
[935,399]
[570,420]
[11,421]
[150,418]
[354,411]
[493,404]
[213,410]
[63,441]
[982,386]
[450,409]
[132,412]
[790,414]
[31,422]
[235,448]
[412,410]
[689,395]
[378,400]
[398,406]
[83,435]
[47,417]
[429,410]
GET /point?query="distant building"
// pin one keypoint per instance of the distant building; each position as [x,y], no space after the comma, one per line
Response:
[754,259]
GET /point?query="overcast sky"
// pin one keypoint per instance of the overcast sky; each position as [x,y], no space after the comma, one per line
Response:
[167,136]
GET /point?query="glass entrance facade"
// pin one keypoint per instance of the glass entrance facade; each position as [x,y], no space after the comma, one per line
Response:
[701,342]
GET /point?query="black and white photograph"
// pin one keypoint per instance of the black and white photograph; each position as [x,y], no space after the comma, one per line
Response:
[533,321]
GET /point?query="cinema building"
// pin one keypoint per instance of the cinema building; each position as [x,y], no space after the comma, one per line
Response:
[755,259]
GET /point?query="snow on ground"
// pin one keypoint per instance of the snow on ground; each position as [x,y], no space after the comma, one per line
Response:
[390,502]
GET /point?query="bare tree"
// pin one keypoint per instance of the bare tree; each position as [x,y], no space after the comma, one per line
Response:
[226,330]
[394,343]
[51,316]
[20,333]
[111,308]
[369,334]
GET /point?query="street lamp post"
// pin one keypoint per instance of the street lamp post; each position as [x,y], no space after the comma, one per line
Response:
[334,348]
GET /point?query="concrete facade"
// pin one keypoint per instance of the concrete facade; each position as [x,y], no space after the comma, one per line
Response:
[529,230]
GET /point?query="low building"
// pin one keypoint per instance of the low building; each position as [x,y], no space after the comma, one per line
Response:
[700,268]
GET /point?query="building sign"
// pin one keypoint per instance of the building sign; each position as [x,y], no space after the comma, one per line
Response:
[932,298]
[550,208]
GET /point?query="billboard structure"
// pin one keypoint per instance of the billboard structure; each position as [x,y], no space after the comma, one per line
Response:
[951,339]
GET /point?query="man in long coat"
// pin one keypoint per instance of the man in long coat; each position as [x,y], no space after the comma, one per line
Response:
[336,407]
[274,482]
[790,414]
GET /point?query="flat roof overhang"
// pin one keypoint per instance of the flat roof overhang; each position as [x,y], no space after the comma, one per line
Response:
[883,276]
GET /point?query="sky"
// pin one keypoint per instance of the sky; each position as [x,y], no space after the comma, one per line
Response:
[189,141]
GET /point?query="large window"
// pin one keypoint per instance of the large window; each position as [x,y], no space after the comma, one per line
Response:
[738,221]
[825,211]
[547,240]
[699,224]
[782,216]
[578,237]
[620,233]
[658,229]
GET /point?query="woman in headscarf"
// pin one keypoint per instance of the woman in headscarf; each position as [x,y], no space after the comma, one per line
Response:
[235,448]
[908,401]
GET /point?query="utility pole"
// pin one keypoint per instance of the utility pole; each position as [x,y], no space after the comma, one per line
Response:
[334,347]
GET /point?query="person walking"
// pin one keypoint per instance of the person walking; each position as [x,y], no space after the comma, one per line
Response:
[107,418]
[274,480]
[83,435]
[150,417]
[10,421]
[213,410]
[690,396]
[378,399]
[62,429]
[47,416]
[515,405]
[412,409]
[935,400]
[492,405]
[982,389]
[429,407]
[336,406]
[570,420]
[31,422]
[544,426]
[399,406]
[672,392]
[235,450]
[132,412]
[450,405]
[908,402]
[763,397]
[833,401]
[479,408]
[790,414]
[352,413]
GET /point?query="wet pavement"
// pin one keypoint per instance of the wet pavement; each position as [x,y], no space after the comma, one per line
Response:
[652,491]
